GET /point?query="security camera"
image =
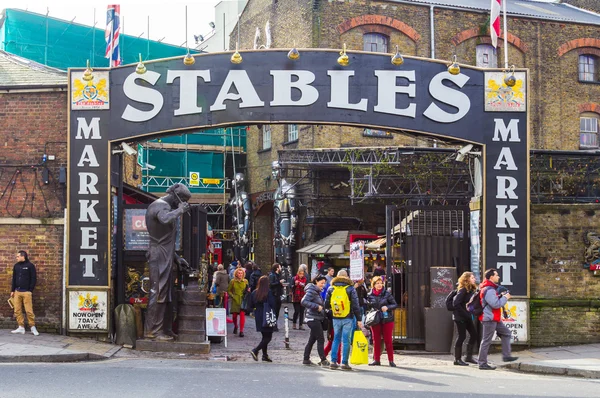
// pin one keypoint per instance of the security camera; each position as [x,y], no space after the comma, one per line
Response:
[150,167]
[345,185]
[462,152]
[128,150]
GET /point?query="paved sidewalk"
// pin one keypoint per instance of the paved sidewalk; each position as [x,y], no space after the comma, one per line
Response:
[580,361]
[51,348]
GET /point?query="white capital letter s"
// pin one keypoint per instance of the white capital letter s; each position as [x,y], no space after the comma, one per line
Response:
[145,95]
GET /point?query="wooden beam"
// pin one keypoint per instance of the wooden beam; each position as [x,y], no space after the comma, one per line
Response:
[193,147]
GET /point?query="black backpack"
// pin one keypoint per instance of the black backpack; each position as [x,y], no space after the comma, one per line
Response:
[474,305]
[450,300]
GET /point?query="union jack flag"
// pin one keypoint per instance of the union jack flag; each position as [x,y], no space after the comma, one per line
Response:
[495,21]
[111,34]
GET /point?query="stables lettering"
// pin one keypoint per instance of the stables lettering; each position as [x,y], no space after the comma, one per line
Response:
[88,181]
[505,192]
[396,93]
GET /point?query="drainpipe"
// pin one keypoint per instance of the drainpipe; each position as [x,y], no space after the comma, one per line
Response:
[64,276]
[432,30]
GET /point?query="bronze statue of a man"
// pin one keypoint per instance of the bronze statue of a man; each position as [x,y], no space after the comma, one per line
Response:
[161,221]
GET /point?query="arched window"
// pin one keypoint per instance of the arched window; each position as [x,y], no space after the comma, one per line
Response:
[487,57]
[375,42]
[588,130]
[588,65]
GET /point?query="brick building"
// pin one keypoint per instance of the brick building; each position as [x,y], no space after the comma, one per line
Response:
[560,45]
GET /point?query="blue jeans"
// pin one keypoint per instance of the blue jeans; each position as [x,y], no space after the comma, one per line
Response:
[342,330]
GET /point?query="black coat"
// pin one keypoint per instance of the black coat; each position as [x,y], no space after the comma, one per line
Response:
[254,277]
[275,284]
[259,310]
[24,277]
[460,301]
[385,298]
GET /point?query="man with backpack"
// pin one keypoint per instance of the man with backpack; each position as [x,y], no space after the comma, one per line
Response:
[492,304]
[342,300]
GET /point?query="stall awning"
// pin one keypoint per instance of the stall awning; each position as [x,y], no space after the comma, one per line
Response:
[376,244]
[337,243]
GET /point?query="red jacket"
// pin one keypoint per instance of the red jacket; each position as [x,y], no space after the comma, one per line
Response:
[298,288]
[492,305]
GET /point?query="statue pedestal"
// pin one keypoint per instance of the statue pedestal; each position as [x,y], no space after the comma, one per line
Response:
[191,322]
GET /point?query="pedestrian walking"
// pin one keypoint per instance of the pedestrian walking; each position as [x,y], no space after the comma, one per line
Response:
[380,299]
[220,283]
[23,283]
[262,302]
[342,300]
[492,303]
[464,321]
[276,286]
[254,276]
[298,285]
[238,286]
[315,316]
[330,274]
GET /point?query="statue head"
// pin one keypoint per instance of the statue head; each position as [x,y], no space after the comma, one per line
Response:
[239,180]
[180,192]
[276,170]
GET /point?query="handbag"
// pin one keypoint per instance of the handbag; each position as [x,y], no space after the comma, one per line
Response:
[244,305]
[269,317]
[372,318]
[325,320]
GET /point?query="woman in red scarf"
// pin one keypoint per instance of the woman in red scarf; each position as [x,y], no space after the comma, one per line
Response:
[382,300]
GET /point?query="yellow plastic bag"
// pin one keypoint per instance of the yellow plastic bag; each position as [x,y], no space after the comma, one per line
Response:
[360,349]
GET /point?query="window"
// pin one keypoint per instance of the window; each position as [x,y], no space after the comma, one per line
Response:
[487,57]
[292,132]
[266,130]
[587,68]
[375,42]
[588,132]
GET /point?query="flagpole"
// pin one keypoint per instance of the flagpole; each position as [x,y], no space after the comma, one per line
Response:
[505,36]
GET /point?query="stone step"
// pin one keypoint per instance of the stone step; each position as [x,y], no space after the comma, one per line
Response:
[193,317]
[193,303]
[185,324]
[192,347]
[192,338]
[191,311]
[191,331]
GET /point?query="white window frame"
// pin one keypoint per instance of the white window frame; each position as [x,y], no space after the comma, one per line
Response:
[586,64]
[380,42]
[492,56]
[266,130]
[588,132]
[292,133]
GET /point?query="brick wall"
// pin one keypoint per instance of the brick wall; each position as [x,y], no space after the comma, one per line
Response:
[564,296]
[32,124]
[44,244]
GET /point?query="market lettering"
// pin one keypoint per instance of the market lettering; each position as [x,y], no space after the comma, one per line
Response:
[88,181]
[237,86]
[505,190]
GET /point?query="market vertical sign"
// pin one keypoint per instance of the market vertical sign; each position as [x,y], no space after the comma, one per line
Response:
[88,222]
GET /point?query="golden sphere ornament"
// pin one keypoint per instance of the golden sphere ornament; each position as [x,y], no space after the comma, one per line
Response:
[397,59]
[511,80]
[189,60]
[88,76]
[140,69]
[343,59]
[454,68]
[293,54]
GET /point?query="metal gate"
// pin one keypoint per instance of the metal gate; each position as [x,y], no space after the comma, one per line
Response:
[418,238]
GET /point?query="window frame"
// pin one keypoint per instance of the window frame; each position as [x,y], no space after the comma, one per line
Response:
[292,132]
[385,42]
[266,131]
[591,132]
[494,53]
[581,74]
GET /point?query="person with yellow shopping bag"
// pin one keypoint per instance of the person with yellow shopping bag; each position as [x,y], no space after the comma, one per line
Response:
[360,349]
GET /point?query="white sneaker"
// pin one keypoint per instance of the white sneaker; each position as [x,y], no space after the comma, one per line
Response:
[34,331]
[19,330]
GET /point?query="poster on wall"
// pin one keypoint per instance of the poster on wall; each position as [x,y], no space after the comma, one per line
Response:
[475,245]
[88,311]
[501,98]
[136,233]
[357,260]
[90,92]
[516,320]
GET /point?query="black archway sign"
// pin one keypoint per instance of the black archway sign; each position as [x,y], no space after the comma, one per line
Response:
[420,95]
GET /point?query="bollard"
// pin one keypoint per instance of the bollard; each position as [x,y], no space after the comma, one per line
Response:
[286,323]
